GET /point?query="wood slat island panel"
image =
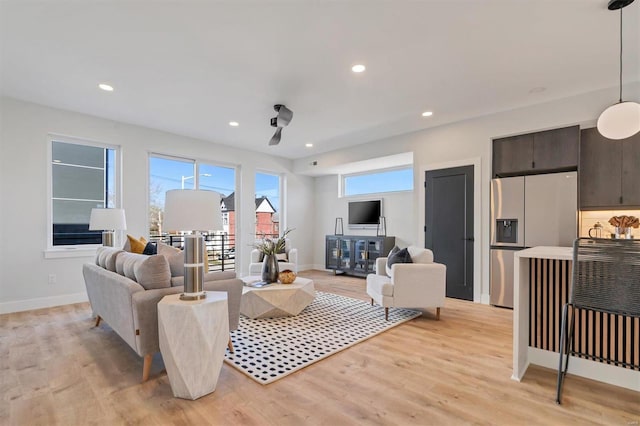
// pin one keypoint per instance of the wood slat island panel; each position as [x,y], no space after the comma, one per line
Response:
[542,277]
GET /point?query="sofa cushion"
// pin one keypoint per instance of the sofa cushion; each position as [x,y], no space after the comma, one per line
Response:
[110,261]
[420,255]
[393,250]
[208,276]
[149,271]
[401,256]
[152,272]
[106,257]
[174,256]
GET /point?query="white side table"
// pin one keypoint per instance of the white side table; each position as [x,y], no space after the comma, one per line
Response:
[193,338]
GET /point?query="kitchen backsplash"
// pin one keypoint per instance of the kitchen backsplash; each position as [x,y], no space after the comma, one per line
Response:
[589,218]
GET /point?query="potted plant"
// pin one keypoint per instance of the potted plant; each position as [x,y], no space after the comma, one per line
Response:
[269,247]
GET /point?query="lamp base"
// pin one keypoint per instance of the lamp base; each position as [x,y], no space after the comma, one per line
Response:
[194,261]
[193,296]
[107,238]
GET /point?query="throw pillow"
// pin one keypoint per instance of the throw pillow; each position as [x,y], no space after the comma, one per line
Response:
[135,245]
[174,256]
[401,256]
[150,249]
[394,250]
[420,255]
[152,272]
[282,257]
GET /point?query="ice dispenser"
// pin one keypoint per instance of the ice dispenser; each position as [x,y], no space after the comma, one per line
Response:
[506,231]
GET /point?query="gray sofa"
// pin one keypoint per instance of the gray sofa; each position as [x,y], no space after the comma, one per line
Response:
[124,290]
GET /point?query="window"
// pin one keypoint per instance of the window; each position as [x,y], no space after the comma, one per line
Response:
[267,204]
[166,173]
[83,176]
[378,181]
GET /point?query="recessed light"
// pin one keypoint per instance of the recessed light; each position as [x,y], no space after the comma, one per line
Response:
[105,87]
[358,68]
[308,145]
[234,124]
[427,114]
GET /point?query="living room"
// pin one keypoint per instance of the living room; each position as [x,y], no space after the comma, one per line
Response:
[311,182]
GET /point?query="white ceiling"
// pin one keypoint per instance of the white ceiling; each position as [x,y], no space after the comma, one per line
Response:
[191,67]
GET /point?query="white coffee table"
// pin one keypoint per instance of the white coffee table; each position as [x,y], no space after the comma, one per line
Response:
[276,300]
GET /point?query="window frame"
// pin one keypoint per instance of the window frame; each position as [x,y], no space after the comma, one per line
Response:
[342,182]
[197,162]
[72,250]
[282,194]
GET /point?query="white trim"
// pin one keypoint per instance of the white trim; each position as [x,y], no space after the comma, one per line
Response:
[476,162]
[71,251]
[42,302]
[594,370]
[52,251]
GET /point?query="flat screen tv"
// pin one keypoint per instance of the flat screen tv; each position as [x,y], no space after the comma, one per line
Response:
[364,213]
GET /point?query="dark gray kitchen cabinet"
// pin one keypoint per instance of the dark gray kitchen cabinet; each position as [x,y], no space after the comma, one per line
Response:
[556,149]
[512,155]
[631,171]
[609,171]
[541,152]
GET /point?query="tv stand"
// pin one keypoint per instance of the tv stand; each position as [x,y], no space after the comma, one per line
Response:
[355,254]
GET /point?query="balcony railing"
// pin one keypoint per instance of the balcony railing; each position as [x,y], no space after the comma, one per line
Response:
[220,248]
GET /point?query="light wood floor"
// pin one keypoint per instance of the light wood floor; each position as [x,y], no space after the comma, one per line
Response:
[55,369]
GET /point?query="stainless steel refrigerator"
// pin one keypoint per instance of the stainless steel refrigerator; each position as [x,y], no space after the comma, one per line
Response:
[528,211]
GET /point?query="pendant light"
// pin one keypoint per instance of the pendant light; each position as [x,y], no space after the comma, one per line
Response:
[621,120]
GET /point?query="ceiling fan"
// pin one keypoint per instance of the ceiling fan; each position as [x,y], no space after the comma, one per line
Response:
[279,121]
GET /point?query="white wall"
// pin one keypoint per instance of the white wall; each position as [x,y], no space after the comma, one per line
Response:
[446,146]
[24,270]
[397,207]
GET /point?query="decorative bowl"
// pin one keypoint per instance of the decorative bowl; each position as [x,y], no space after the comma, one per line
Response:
[287,276]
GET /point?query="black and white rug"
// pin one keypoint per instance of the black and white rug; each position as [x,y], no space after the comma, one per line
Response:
[269,349]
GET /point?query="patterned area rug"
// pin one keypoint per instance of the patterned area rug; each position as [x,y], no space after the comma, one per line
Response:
[269,349]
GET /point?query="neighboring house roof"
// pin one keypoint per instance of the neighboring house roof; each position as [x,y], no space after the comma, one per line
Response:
[228,204]
[263,205]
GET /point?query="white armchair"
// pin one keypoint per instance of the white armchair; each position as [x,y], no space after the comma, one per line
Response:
[420,285]
[255,267]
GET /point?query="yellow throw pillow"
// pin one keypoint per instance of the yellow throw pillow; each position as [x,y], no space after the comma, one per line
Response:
[137,245]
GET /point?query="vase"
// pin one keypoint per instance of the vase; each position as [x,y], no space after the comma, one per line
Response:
[270,268]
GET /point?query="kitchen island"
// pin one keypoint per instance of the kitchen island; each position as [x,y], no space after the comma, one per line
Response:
[542,277]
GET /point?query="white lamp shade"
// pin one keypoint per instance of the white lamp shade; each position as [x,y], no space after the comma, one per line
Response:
[620,121]
[109,219]
[192,210]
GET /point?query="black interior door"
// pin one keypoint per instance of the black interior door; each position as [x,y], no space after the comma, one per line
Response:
[449,226]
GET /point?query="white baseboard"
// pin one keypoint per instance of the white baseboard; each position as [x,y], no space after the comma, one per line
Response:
[42,302]
[594,370]
[484,299]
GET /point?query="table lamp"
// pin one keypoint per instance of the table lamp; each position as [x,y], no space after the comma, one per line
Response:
[107,220]
[195,211]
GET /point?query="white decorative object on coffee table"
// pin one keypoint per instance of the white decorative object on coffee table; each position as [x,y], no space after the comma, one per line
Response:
[193,337]
[276,300]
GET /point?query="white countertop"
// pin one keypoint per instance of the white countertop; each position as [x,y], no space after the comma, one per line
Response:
[545,252]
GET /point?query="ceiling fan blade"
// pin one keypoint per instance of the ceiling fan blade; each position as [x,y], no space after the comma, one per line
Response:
[275,140]
[284,116]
